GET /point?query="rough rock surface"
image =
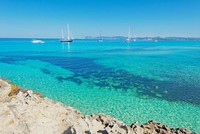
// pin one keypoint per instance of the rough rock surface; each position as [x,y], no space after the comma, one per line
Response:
[26,112]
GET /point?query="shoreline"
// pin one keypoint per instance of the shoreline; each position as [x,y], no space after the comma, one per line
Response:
[25,111]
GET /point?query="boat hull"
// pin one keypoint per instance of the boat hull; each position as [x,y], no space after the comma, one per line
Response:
[66,41]
[127,40]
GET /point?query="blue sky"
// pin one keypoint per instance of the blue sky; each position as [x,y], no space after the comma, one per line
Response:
[46,18]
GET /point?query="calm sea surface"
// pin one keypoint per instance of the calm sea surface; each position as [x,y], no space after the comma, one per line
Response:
[136,81]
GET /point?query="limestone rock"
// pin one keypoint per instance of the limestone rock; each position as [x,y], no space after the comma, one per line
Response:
[5,89]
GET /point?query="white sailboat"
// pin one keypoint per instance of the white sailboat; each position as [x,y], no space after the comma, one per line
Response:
[100,39]
[129,36]
[68,39]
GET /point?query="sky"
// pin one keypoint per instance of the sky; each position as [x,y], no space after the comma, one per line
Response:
[46,18]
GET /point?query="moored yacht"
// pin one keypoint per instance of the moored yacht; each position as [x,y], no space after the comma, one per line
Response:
[129,36]
[100,39]
[68,39]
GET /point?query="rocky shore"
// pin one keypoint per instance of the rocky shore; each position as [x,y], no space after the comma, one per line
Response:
[26,112]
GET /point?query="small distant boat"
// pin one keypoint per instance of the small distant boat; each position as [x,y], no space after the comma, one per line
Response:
[68,39]
[129,36]
[100,39]
[37,41]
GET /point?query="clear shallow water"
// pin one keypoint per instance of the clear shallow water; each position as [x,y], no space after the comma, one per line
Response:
[138,81]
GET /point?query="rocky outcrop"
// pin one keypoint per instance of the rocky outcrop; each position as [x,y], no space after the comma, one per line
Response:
[25,112]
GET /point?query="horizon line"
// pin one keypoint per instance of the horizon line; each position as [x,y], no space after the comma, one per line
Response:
[98,36]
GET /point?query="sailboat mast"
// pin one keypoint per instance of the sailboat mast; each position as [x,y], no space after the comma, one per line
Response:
[129,33]
[62,34]
[68,36]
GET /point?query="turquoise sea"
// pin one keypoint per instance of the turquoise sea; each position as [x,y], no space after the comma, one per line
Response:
[137,81]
